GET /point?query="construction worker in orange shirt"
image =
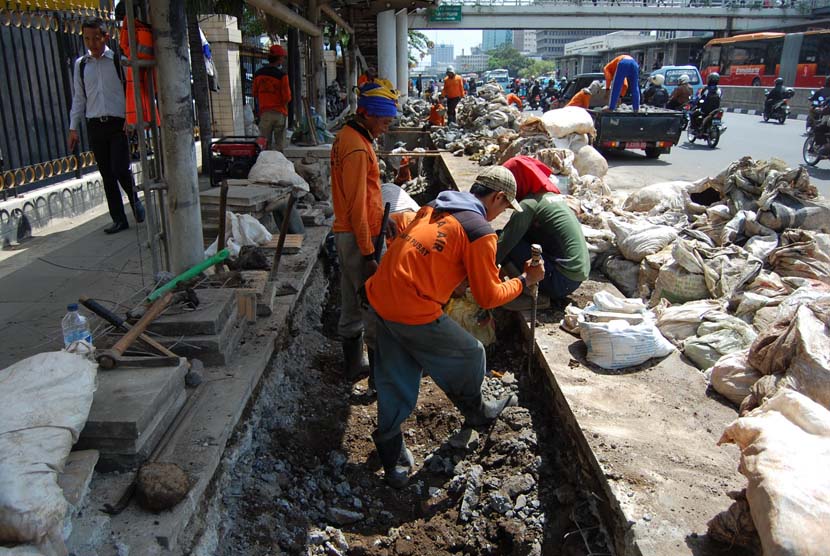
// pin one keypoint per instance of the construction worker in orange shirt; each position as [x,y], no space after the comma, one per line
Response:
[272,93]
[453,91]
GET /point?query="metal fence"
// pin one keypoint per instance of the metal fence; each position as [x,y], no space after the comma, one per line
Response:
[37,52]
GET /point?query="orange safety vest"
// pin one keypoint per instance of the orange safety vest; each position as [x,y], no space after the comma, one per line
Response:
[145,47]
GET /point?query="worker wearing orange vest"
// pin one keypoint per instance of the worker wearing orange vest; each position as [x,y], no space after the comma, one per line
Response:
[272,93]
[514,99]
[583,97]
[370,74]
[145,47]
[436,114]
[453,91]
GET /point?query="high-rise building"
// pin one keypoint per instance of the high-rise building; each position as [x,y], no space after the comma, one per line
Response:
[476,61]
[494,38]
[442,54]
[524,40]
[550,43]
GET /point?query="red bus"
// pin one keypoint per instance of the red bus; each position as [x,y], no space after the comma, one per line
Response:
[802,59]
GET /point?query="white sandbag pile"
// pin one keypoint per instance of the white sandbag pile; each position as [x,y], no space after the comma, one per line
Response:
[272,168]
[44,405]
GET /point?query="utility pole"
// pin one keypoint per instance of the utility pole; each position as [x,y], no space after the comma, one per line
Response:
[318,76]
[185,242]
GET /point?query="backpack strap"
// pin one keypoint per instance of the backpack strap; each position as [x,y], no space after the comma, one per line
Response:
[119,71]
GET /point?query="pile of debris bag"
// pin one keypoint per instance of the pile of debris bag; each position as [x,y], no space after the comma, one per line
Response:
[734,271]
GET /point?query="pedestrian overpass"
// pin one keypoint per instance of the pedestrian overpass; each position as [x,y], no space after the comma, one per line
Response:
[654,15]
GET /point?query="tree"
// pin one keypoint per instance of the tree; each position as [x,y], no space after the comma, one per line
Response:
[507,57]
[420,43]
[537,68]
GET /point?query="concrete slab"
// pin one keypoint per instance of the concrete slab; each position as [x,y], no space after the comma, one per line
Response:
[649,435]
[215,307]
[127,400]
[242,196]
[212,349]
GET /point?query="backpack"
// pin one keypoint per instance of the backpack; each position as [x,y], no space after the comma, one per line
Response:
[660,97]
[118,70]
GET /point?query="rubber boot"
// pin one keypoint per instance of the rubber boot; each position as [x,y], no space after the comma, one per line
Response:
[355,364]
[396,459]
[478,412]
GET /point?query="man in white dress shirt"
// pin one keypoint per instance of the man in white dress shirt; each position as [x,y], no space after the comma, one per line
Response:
[99,97]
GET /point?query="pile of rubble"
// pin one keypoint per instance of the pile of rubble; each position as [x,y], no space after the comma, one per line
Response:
[414,112]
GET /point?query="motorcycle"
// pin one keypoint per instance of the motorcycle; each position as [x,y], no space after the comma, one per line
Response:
[817,145]
[815,109]
[711,132]
[687,116]
[780,110]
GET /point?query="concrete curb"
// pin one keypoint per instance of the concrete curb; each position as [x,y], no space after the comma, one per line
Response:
[759,113]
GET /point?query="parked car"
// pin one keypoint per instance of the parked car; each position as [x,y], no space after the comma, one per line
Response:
[578,83]
[673,73]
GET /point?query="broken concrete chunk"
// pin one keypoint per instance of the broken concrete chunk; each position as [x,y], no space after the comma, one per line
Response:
[342,516]
[513,486]
[472,491]
[465,439]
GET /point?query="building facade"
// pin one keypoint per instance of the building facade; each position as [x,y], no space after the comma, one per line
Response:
[524,40]
[476,61]
[442,55]
[550,43]
[494,38]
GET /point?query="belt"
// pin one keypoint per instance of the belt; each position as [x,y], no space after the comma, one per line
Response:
[104,119]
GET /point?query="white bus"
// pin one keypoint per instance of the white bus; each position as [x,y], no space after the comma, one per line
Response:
[502,77]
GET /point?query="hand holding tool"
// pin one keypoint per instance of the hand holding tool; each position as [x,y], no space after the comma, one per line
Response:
[535,259]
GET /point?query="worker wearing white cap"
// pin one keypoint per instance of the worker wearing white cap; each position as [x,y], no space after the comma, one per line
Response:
[453,91]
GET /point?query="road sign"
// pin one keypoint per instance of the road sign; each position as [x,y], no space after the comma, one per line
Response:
[446,12]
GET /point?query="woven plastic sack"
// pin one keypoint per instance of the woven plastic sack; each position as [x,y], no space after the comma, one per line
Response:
[659,197]
[472,318]
[785,454]
[588,161]
[732,376]
[568,120]
[272,167]
[638,241]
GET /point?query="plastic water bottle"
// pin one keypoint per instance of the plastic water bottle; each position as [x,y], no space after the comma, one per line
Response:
[75,326]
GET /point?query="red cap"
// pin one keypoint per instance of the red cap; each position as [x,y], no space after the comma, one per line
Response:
[277,50]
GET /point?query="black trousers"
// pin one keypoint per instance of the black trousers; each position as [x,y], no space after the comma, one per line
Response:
[111,148]
[451,104]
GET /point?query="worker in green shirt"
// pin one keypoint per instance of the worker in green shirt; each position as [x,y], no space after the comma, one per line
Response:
[547,220]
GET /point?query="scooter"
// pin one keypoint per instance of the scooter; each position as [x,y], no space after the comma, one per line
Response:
[780,110]
[817,145]
[711,132]
[815,109]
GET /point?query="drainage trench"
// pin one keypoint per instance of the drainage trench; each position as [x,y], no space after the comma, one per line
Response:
[302,477]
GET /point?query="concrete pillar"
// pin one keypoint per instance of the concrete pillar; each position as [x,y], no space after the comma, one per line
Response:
[224,37]
[185,245]
[387,52]
[295,109]
[402,51]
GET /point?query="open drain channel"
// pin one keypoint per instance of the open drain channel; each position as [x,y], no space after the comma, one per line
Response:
[302,475]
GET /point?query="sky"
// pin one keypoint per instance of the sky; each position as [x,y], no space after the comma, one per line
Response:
[461,39]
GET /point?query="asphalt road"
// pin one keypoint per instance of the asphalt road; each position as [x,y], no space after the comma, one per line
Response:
[745,135]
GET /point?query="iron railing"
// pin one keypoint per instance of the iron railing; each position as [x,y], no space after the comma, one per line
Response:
[251,59]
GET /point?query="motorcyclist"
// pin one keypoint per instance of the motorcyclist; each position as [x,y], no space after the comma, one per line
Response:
[823,92]
[708,102]
[681,94]
[655,94]
[774,95]
[813,113]
[533,92]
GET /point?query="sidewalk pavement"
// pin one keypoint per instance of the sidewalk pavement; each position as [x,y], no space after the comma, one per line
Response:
[74,257]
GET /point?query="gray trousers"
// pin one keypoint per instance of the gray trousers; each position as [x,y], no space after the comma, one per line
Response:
[354,318]
[454,359]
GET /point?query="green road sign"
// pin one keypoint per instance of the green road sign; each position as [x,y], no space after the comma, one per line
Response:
[446,13]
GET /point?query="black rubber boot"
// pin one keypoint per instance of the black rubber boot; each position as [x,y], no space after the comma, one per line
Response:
[396,459]
[354,362]
[478,412]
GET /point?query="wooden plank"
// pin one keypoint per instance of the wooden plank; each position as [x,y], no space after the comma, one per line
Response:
[293,243]
[246,304]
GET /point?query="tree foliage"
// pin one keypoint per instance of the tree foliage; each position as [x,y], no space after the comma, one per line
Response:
[507,57]
[419,45]
[537,68]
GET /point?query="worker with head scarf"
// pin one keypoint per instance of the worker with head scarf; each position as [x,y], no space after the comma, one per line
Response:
[449,240]
[545,219]
[358,211]
[583,97]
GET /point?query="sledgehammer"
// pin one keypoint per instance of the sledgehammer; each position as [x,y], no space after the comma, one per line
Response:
[121,324]
[109,359]
[535,258]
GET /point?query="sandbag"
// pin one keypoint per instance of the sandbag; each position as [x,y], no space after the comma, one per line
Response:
[650,269]
[744,229]
[472,318]
[242,230]
[802,253]
[273,168]
[560,161]
[719,335]
[783,210]
[532,125]
[616,344]
[636,241]
[658,197]
[588,161]
[732,376]
[724,269]
[570,119]
[678,322]
[677,285]
[623,273]
[572,142]
[785,454]
[44,403]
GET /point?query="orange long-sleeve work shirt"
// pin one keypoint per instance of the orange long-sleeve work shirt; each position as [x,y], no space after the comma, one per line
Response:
[581,99]
[610,69]
[429,259]
[355,186]
[271,89]
[514,99]
[453,87]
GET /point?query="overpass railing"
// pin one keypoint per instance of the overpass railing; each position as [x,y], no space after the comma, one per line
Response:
[803,6]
